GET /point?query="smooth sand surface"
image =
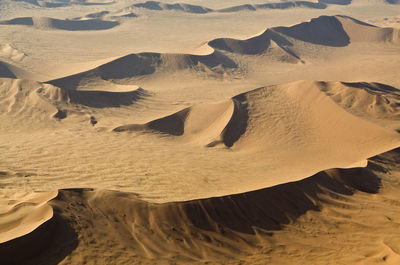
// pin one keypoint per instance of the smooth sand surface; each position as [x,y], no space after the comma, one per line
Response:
[239,132]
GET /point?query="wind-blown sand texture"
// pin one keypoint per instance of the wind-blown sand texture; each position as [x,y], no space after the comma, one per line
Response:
[258,132]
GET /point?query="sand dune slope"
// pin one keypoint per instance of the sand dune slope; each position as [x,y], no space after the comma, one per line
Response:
[373,101]
[202,123]
[126,229]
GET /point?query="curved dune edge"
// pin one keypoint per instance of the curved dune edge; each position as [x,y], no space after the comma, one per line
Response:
[215,227]
[23,217]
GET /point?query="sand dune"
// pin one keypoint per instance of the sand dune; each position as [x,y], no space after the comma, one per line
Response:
[196,9]
[259,124]
[46,23]
[34,100]
[210,123]
[179,231]
[153,5]
[338,31]
[277,5]
[103,15]
[142,64]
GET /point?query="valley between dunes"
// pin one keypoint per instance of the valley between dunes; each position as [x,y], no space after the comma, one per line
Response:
[119,146]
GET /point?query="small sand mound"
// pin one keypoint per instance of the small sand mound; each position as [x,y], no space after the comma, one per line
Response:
[11,53]
[359,31]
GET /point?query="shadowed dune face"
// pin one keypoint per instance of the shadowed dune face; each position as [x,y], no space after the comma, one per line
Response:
[324,31]
[36,227]
[105,99]
[5,71]
[49,243]
[336,2]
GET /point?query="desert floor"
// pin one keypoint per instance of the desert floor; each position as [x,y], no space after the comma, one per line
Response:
[234,132]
